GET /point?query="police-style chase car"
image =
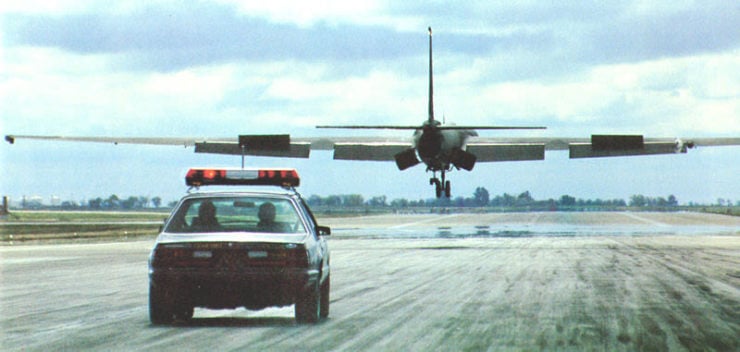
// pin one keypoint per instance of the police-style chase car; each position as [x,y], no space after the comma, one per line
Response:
[229,249]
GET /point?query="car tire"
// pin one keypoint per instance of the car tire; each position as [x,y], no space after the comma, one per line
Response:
[325,288]
[308,305]
[160,312]
[183,314]
[163,310]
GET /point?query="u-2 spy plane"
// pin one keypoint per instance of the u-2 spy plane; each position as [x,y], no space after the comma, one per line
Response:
[440,147]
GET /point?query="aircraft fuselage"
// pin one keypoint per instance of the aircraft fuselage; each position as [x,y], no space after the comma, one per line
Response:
[437,147]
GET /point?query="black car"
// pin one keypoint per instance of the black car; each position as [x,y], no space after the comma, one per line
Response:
[230,249]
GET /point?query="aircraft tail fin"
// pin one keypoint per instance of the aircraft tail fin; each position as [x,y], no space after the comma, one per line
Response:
[431,121]
[431,84]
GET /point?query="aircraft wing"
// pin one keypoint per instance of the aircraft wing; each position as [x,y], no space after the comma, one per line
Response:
[489,152]
[714,142]
[596,146]
[384,148]
[317,143]
[182,141]
[369,151]
[255,145]
[352,148]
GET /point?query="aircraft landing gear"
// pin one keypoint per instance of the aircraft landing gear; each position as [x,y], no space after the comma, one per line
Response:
[440,186]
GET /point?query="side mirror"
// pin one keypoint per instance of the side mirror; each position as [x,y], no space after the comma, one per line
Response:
[323,230]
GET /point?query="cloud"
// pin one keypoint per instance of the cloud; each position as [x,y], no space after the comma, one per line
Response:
[568,65]
[173,38]
[660,97]
[533,39]
[524,41]
[308,13]
[691,31]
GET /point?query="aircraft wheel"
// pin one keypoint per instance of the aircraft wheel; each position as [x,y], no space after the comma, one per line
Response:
[438,190]
[447,189]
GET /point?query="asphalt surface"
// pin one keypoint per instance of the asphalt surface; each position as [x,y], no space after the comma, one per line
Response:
[586,281]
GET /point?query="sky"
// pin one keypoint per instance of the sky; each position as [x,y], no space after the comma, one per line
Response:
[222,68]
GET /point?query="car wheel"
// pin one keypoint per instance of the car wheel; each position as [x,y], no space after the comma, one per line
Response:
[160,312]
[183,314]
[325,288]
[163,309]
[308,305]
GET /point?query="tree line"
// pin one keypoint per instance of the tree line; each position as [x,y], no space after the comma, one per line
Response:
[112,202]
[480,198]
[132,202]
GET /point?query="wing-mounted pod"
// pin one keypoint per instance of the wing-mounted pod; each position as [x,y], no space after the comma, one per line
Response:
[624,145]
[278,145]
[276,142]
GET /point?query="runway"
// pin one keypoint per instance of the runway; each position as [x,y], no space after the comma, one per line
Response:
[523,281]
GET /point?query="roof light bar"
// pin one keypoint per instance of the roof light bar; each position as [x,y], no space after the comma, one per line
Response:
[197,177]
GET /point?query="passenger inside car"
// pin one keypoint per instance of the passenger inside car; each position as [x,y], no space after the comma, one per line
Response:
[267,222]
[206,218]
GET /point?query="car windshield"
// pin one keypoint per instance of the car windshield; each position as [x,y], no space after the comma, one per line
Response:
[236,214]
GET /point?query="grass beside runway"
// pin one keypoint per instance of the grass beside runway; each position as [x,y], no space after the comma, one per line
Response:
[27,216]
[32,226]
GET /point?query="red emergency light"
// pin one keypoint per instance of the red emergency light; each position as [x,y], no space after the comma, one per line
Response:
[242,177]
